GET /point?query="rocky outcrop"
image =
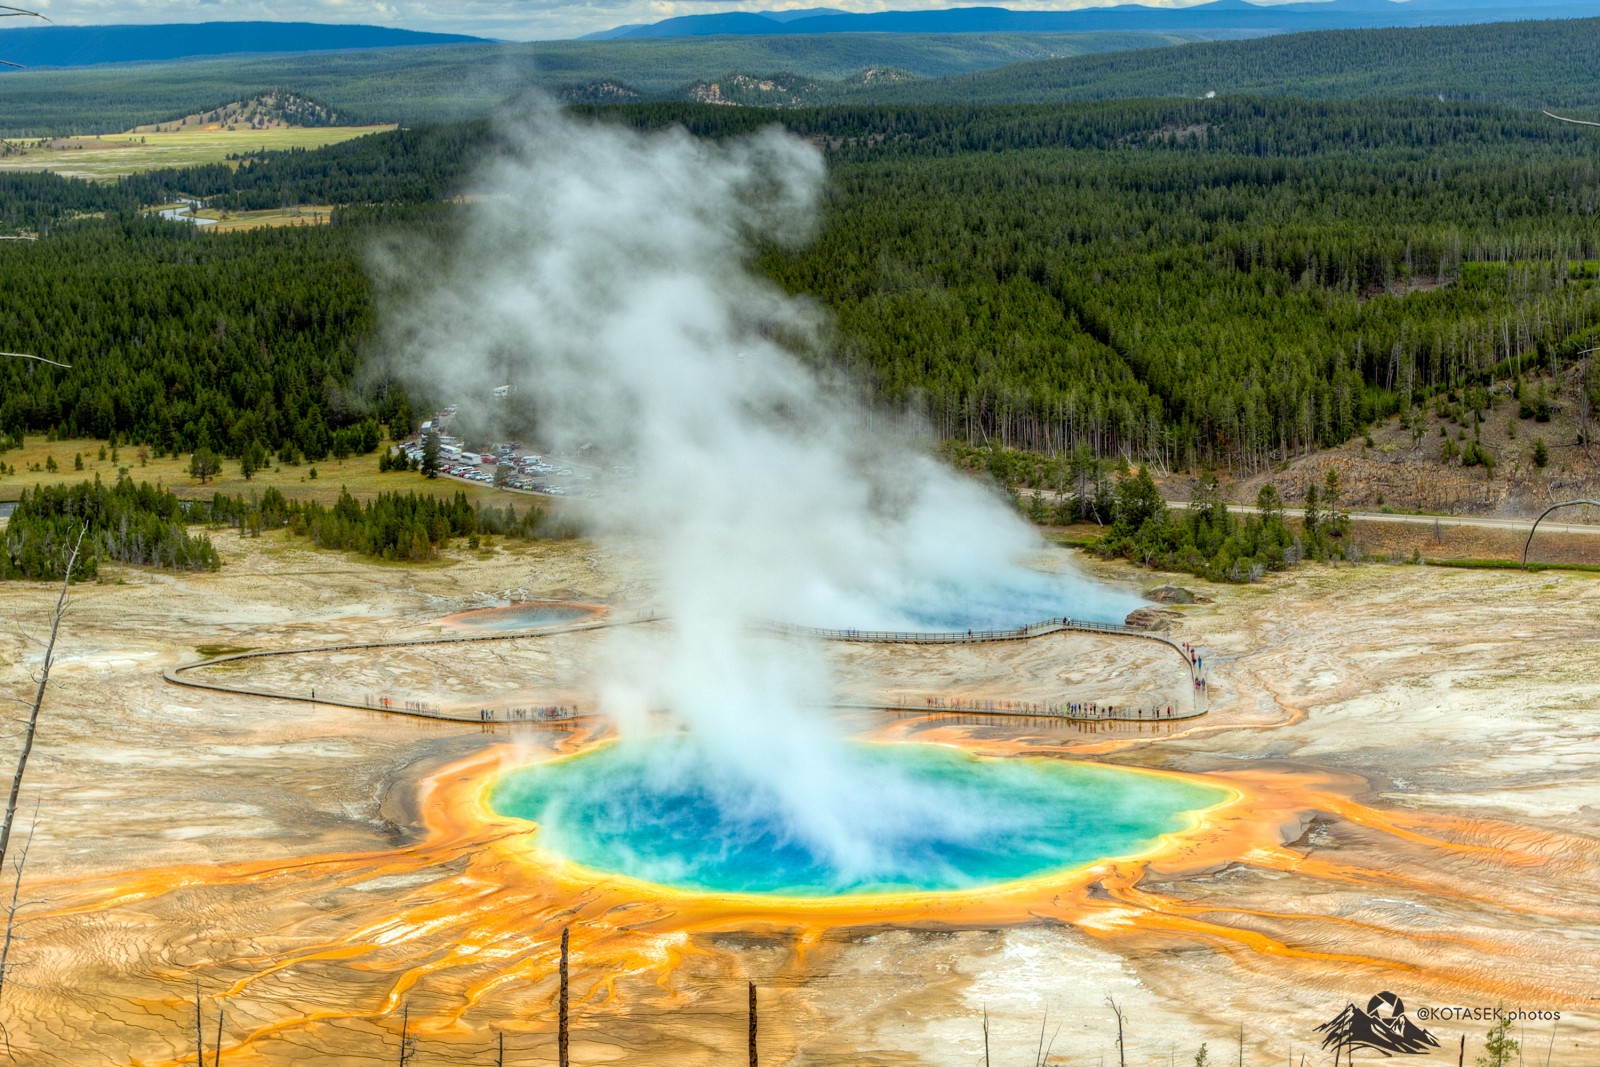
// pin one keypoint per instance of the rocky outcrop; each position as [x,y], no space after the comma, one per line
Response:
[1157,619]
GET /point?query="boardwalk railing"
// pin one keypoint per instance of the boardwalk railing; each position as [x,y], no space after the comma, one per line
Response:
[1075,710]
[372,702]
[962,637]
[914,637]
[1058,709]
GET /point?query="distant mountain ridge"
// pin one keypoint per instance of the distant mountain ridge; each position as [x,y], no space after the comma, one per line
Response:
[1220,18]
[82,46]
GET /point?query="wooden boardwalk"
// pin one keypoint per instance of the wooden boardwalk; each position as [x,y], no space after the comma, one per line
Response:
[1074,710]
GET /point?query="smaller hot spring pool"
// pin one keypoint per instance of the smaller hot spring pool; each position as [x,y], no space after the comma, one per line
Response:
[663,812]
[529,616]
[1007,601]
[994,599]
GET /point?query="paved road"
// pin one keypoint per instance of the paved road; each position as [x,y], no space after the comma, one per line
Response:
[1520,525]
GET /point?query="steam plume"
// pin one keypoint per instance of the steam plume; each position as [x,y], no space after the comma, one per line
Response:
[605,275]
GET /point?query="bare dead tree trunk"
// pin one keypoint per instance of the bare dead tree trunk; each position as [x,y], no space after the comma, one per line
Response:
[1044,1060]
[752,1024]
[500,1054]
[1241,1045]
[408,1044]
[1042,1055]
[216,1057]
[25,355]
[986,1036]
[1122,1057]
[199,1030]
[561,1020]
[38,700]
[16,902]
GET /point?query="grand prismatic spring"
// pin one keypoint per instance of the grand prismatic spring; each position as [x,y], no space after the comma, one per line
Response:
[621,810]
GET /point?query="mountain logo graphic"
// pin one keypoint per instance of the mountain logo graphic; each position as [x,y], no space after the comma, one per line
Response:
[1382,1027]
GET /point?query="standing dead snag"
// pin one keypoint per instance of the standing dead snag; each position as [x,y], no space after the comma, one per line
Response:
[561,1022]
[16,901]
[752,1024]
[22,764]
[38,700]
[408,1044]
[1122,1056]
[200,1034]
[1042,1056]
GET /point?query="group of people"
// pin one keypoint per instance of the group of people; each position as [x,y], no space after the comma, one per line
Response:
[1197,666]
[543,713]
[1071,710]
[1111,711]
[1019,707]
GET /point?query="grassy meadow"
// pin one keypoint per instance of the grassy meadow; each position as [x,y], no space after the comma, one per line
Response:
[298,215]
[359,474]
[108,156]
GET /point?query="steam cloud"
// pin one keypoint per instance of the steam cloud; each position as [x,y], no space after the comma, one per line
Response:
[605,275]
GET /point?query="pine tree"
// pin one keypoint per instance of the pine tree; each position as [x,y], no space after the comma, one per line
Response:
[1332,498]
[430,455]
[1499,1048]
[204,464]
[252,458]
[1138,501]
[1313,515]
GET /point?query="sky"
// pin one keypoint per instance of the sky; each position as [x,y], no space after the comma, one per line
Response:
[514,20]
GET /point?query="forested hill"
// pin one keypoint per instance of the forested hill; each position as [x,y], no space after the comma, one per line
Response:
[78,46]
[1528,64]
[1218,18]
[1186,281]
[1525,64]
[413,86]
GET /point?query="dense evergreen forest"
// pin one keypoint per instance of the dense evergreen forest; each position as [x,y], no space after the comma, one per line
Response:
[1203,282]
[125,522]
[1176,282]
[1526,64]
[179,340]
[148,525]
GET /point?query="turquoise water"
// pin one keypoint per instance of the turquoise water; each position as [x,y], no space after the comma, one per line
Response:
[1005,601]
[522,616]
[664,813]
